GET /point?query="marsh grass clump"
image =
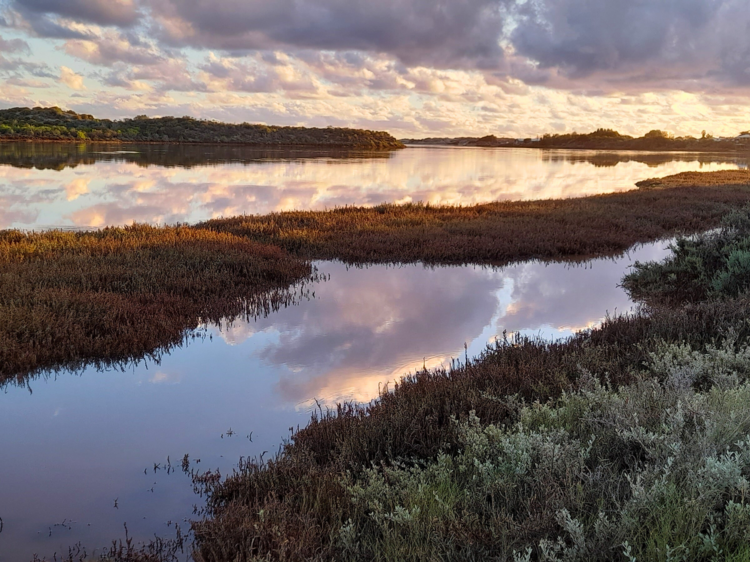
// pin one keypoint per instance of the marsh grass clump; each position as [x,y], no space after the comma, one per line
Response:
[713,265]
[494,233]
[68,299]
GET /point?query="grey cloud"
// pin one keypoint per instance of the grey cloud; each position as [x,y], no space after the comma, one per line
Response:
[6,64]
[39,69]
[441,33]
[43,25]
[13,45]
[598,46]
[671,42]
[593,47]
[121,13]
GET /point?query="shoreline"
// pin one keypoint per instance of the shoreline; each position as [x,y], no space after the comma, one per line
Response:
[499,233]
[536,146]
[364,148]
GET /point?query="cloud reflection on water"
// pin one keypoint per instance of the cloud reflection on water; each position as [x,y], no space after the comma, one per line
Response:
[82,191]
[370,326]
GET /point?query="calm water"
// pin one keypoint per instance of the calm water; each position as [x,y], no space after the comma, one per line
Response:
[74,443]
[93,186]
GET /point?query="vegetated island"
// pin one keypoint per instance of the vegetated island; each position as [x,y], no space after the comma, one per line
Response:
[52,124]
[603,139]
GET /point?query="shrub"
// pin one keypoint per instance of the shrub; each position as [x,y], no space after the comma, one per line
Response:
[711,265]
[652,471]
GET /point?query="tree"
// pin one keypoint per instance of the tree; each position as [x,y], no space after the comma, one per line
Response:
[658,134]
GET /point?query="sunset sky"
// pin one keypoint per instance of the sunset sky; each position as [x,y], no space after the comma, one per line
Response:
[412,67]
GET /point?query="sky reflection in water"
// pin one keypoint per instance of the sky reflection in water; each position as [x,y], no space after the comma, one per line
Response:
[71,445]
[65,185]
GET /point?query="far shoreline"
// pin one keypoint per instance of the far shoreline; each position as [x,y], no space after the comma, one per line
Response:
[362,148]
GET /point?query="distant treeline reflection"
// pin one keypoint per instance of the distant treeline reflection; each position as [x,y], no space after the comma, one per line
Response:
[651,159]
[58,156]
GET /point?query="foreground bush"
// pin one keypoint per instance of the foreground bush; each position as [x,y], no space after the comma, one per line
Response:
[651,471]
[72,299]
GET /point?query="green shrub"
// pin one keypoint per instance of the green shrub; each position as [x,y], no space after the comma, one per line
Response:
[708,266]
[652,471]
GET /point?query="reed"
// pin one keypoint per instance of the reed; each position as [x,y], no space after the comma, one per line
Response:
[68,299]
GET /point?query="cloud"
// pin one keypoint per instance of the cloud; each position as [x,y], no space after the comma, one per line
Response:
[442,33]
[122,13]
[71,79]
[604,46]
[685,44]
[13,45]
[112,47]
[413,67]
[269,72]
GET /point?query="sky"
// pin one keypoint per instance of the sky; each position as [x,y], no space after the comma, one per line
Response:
[415,68]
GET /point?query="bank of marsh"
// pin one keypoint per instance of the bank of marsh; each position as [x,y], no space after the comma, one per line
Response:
[72,298]
[496,233]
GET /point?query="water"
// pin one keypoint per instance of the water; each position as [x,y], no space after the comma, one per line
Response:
[85,186]
[75,443]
